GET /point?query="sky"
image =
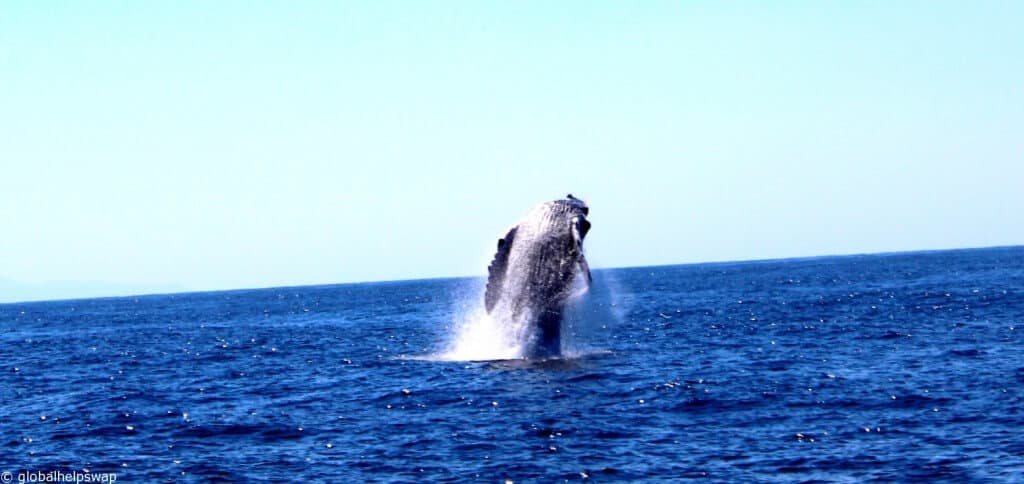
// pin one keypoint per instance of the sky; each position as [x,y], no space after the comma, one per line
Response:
[165,146]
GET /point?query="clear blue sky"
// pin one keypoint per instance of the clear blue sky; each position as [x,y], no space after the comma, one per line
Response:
[212,145]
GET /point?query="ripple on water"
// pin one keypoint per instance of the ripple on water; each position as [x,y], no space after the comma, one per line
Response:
[248,386]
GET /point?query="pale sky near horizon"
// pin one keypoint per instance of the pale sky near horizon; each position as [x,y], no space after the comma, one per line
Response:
[216,145]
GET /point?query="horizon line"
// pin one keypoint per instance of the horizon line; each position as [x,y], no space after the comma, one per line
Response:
[441,278]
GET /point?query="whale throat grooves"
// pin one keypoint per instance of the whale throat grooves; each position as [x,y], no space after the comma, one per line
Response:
[532,273]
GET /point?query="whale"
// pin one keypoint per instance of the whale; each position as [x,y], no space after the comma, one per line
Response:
[539,266]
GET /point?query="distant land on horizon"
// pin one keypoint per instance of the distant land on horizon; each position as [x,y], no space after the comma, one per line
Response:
[13,292]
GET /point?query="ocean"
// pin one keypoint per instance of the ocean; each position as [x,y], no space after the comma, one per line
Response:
[892,367]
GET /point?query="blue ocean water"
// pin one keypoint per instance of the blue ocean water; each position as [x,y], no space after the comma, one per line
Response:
[879,367]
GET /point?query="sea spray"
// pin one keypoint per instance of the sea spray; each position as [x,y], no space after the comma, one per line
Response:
[591,315]
[591,320]
[479,336]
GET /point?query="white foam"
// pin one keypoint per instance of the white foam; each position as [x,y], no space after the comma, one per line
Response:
[591,315]
[481,337]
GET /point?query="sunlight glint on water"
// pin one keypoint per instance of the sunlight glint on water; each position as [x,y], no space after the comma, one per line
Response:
[734,372]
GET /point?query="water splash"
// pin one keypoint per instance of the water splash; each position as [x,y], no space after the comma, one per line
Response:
[590,317]
[479,336]
[592,320]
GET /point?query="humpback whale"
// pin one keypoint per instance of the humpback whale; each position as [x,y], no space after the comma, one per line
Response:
[534,272]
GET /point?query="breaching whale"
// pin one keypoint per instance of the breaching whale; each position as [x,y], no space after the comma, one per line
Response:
[534,270]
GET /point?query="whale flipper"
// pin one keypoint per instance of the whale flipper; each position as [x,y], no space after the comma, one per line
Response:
[585,269]
[496,271]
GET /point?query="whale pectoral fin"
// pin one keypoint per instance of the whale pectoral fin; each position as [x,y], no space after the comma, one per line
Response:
[496,271]
[585,269]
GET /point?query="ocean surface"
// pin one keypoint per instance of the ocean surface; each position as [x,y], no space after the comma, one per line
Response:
[890,367]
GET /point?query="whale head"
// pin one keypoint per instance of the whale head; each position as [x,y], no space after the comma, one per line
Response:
[555,222]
